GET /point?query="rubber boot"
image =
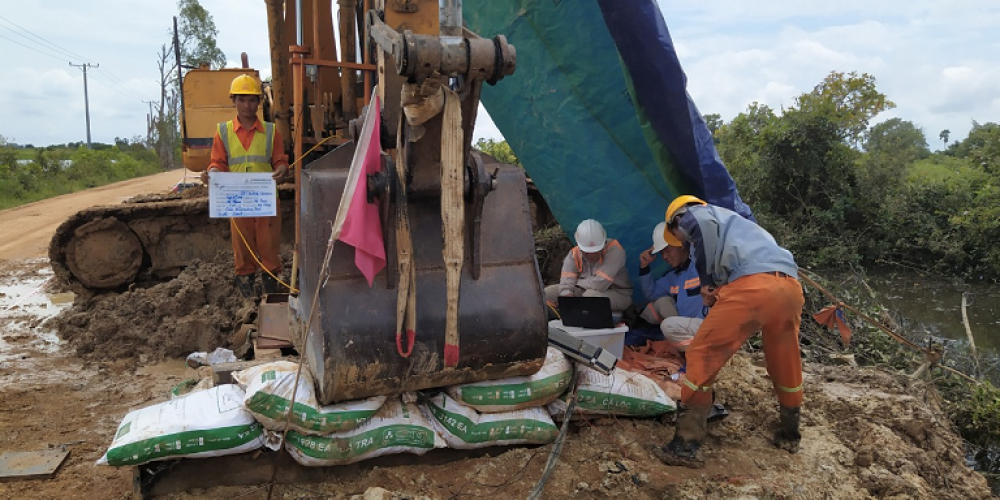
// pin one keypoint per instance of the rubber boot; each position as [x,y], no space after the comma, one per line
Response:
[271,285]
[684,449]
[245,284]
[788,437]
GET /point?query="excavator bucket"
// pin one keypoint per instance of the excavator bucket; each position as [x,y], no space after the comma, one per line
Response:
[351,345]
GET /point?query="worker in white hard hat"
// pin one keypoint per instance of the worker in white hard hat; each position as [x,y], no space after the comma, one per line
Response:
[595,267]
[247,144]
[675,301]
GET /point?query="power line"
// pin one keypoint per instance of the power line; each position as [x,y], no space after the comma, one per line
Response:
[114,78]
[34,49]
[51,45]
[116,86]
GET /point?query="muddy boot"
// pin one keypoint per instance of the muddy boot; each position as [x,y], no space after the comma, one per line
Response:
[244,284]
[271,285]
[684,449]
[787,437]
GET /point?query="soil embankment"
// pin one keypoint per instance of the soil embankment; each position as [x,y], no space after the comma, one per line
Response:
[866,433]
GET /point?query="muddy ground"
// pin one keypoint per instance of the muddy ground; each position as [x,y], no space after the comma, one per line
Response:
[866,434]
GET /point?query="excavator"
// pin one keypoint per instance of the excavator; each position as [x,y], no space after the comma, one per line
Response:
[592,100]
[460,299]
[602,122]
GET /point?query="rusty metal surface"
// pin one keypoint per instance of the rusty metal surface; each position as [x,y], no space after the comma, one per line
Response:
[30,464]
[272,318]
[352,348]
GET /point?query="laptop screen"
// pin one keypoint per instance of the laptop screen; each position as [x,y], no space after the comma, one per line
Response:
[586,312]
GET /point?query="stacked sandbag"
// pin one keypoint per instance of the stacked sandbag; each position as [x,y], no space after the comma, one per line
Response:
[209,423]
[503,395]
[269,389]
[464,428]
[621,393]
[396,428]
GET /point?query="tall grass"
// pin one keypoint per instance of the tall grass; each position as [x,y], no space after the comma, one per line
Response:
[56,172]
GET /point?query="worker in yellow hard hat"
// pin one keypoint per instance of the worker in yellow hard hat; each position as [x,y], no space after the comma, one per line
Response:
[751,284]
[675,303]
[247,144]
[595,267]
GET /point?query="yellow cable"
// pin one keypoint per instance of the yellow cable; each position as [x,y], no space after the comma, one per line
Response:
[252,254]
[259,263]
[553,308]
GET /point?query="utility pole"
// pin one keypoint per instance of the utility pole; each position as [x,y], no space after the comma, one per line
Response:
[149,124]
[86,98]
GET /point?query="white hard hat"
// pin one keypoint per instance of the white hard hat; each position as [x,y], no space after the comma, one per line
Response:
[590,236]
[658,242]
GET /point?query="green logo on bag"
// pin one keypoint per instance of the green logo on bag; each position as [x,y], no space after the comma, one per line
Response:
[268,375]
[123,430]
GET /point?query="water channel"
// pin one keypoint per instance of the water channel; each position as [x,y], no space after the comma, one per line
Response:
[934,305]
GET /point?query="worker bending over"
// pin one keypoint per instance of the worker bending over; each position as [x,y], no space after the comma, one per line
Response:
[594,268]
[245,144]
[751,284]
[675,302]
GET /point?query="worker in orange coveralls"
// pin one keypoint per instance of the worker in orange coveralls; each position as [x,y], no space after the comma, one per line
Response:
[245,144]
[751,284]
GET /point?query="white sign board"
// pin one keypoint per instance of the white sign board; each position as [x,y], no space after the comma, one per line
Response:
[232,194]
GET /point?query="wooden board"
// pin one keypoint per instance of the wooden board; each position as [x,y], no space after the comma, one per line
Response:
[18,465]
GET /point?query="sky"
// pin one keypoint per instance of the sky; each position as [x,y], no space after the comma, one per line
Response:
[936,60]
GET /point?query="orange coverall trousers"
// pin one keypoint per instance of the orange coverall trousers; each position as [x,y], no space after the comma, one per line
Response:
[263,236]
[767,302]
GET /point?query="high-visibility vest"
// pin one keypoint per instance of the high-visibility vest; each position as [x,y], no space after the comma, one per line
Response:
[255,159]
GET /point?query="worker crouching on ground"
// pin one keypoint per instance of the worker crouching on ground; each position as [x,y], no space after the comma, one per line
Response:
[751,284]
[245,144]
[675,302]
[594,268]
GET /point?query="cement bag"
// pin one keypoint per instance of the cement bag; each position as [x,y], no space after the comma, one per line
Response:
[622,393]
[207,423]
[464,428]
[540,389]
[269,392]
[396,428]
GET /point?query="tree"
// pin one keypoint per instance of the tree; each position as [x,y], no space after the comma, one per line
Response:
[498,149]
[196,31]
[847,100]
[739,145]
[899,139]
[8,158]
[714,122]
[944,136]
[195,41]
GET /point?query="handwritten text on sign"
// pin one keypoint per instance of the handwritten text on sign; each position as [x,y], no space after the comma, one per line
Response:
[232,194]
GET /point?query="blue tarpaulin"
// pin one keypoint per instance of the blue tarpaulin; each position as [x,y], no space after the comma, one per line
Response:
[598,113]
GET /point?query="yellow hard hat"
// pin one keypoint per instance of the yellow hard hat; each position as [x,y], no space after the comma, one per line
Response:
[244,85]
[668,238]
[675,206]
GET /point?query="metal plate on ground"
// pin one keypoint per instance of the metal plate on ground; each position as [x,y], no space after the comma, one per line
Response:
[17,465]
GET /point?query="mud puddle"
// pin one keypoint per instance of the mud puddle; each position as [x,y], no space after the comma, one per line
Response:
[26,303]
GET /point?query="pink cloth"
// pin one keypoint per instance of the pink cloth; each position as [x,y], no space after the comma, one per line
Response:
[362,227]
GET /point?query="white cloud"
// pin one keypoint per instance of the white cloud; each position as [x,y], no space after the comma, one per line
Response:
[734,52]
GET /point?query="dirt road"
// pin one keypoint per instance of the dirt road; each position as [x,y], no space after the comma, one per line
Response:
[25,231]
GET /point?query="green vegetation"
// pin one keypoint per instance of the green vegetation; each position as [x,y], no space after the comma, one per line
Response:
[32,174]
[497,149]
[839,193]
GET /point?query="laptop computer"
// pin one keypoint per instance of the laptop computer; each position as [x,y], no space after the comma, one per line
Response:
[586,312]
